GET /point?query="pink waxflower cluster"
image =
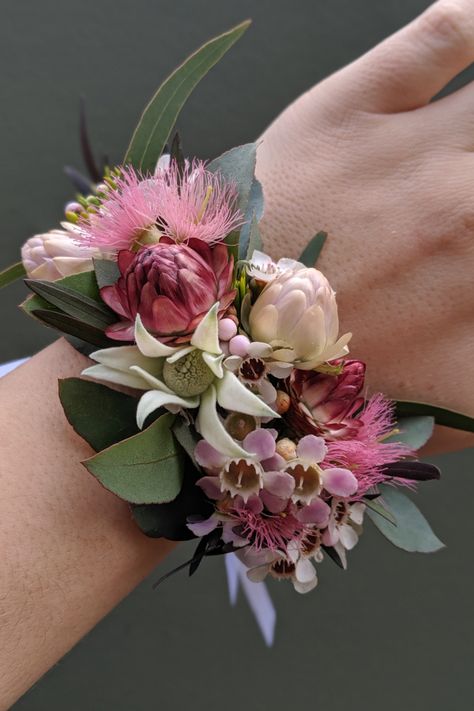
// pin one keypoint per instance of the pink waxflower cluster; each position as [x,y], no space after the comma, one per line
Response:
[297,495]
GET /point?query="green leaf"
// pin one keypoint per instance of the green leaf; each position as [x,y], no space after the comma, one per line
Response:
[71,302]
[253,215]
[106,272]
[160,115]
[98,414]
[187,438]
[448,418]
[414,431]
[412,531]
[238,166]
[84,283]
[380,510]
[311,252]
[144,469]
[11,274]
[72,326]
[169,520]
[255,240]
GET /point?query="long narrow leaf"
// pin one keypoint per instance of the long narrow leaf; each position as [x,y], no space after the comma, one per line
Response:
[160,115]
[311,252]
[80,306]
[68,324]
[11,274]
[448,418]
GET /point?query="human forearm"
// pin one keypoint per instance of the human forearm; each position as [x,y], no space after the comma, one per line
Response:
[70,551]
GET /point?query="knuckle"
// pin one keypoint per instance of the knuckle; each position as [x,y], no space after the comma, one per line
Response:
[445,23]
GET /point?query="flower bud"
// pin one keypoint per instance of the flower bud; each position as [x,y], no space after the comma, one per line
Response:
[325,404]
[55,255]
[296,314]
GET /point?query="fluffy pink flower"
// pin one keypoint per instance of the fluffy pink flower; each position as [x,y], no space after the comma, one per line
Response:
[171,286]
[265,531]
[198,204]
[365,455]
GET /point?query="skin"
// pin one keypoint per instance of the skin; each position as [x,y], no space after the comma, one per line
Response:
[361,155]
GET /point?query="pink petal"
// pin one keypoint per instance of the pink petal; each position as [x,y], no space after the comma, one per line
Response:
[211,487]
[260,442]
[202,528]
[273,503]
[275,463]
[340,482]
[279,484]
[311,448]
[208,457]
[167,317]
[317,512]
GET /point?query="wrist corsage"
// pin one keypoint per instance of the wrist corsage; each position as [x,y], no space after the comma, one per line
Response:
[221,400]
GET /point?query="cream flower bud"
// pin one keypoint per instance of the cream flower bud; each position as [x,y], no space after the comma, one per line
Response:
[55,255]
[296,314]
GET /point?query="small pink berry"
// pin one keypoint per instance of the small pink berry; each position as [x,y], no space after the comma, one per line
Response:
[239,346]
[73,207]
[227,329]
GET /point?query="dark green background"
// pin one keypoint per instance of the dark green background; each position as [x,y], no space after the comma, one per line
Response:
[395,631]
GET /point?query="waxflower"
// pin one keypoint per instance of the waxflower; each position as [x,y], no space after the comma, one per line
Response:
[56,254]
[262,267]
[310,478]
[171,286]
[296,314]
[325,404]
[244,476]
[177,377]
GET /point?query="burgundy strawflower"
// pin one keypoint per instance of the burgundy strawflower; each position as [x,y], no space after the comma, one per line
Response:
[171,286]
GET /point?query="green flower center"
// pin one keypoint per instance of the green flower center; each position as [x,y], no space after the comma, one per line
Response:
[188,376]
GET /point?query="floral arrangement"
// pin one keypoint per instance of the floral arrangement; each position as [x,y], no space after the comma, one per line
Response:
[239,419]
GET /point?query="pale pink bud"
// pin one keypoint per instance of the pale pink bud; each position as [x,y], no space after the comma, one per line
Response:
[296,313]
[55,255]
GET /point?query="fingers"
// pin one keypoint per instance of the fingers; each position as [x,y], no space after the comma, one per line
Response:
[409,68]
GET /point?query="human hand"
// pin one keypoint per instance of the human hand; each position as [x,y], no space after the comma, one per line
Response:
[365,156]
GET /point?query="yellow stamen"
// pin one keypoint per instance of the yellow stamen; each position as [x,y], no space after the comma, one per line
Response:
[205,203]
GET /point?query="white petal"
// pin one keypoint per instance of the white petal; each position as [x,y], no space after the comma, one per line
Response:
[150,379]
[347,536]
[180,353]
[357,513]
[341,551]
[121,357]
[112,375]
[209,424]
[232,395]
[148,344]
[257,349]
[304,571]
[153,400]
[206,335]
[214,363]
[258,575]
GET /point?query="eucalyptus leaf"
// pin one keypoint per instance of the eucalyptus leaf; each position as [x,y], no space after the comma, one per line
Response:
[310,254]
[159,117]
[238,166]
[253,215]
[448,418]
[98,414]
[106,272]
[187,438]
[412,531]
[254,241]
[12,274]
[377,508]
[144,469]
[169,520]
[413,431]
[90,311]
